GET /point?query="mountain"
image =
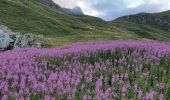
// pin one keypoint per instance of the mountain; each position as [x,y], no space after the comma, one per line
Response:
[30,16]
[158,20]
[75,11]
[147,25]
[51,4]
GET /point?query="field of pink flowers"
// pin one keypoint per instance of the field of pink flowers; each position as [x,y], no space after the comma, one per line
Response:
[113,70]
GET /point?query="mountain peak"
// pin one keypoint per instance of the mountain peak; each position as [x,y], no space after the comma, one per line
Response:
[75,11]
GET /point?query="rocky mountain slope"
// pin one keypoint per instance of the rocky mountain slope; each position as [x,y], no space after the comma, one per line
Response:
[148,25]
[74,11]
[51,4]
[157,20]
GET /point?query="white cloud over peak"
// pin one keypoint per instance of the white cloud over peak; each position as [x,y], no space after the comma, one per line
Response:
[67,3]
[111,9]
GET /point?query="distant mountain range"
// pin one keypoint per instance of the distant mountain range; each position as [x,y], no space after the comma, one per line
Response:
[157,20]
[71,25]
[76,10]
[147,25]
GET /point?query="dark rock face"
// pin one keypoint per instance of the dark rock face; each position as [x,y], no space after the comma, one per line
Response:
[51,4]
[162,22]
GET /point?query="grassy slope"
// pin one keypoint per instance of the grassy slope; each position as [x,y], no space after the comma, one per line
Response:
[150,31]
[144,31]
[28,16]
[163,14]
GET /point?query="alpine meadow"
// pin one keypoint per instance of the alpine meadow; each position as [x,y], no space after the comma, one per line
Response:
[69,50]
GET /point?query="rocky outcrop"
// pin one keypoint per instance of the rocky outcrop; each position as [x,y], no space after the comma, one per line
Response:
[12,40]
[154,20]
[75,11]
[4,38]
[26,41]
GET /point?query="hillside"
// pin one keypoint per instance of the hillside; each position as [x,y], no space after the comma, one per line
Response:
[147,25]
[30,16]
[158,20]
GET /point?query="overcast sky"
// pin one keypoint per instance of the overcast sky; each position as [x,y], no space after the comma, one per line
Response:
[111,9]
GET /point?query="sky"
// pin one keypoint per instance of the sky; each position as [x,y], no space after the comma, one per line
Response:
[111,9]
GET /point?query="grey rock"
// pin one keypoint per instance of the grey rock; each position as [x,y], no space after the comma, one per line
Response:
[4,39]
[37,45]
[12,40]
[28,41]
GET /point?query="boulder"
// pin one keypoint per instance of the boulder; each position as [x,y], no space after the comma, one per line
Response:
[27,41]
[4,39]
[11,40]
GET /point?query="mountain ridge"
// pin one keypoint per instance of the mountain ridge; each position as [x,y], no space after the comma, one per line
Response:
[154,26]
[50,3]
[157,20]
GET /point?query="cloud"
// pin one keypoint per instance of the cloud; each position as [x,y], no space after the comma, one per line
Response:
[67,3]
[89,10]
[111,9]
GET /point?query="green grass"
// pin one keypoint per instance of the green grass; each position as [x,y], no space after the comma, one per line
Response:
[163,14]
[159,21]
[143,31]
[29,16]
